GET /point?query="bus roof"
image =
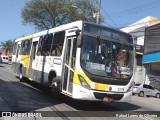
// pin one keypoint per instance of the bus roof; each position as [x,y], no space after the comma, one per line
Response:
[24,38]
[76,24]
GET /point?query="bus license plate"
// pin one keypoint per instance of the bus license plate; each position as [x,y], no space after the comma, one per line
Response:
[120,89]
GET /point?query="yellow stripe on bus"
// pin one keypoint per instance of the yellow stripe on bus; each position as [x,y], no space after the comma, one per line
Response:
[25,60]
[27,37]
[76,79]
[99,86]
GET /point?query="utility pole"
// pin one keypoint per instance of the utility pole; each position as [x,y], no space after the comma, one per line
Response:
[99,12]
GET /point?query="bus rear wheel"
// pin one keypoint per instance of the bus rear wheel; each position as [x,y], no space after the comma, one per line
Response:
[21,75]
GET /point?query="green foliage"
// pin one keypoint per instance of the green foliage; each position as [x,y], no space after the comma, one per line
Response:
[46,14]
[7,45]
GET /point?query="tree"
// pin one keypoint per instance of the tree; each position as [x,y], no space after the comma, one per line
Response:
[7,46]
[46,14]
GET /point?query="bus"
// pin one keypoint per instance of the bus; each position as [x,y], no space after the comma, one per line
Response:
[82,60]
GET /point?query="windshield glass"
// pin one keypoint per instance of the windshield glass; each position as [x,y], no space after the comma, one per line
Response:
[105,58]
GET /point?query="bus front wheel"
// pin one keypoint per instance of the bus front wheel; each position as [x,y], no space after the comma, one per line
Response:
[55,89]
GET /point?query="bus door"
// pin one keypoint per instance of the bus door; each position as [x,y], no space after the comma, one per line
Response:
[69,65]
[32,59]
[14,56]
[17,57]
[17,52]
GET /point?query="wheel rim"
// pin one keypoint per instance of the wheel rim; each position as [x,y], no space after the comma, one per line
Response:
[141,94]
[157,95]
[54,87]
[20,75]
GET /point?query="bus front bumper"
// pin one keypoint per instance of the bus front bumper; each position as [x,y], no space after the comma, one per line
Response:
[82,93]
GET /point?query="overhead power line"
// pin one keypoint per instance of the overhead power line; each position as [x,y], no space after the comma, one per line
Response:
[109,17]
[136,9]
[130,11]
[96,2]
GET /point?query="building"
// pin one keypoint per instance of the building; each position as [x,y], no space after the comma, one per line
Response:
[3,53]
[137,29]
[151,57]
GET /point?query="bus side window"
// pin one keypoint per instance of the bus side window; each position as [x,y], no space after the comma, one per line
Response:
[34,48]
[73,60]
[39,51]
[58,42]
[47,42]
[25,47]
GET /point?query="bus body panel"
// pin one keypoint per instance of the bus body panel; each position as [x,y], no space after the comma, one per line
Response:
[80,92]
[39,68]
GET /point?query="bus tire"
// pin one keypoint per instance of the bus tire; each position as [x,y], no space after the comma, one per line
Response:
[55,86]
[21,75]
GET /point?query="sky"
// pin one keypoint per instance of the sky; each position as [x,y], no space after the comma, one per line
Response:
[117,13]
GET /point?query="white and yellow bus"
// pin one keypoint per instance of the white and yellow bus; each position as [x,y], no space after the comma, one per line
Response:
[82,60]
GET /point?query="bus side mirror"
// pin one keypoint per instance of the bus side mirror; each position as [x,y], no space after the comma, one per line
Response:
[79,41]
[77,32]
[79,38]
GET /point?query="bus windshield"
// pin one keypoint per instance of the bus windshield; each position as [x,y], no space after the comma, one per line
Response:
[105,58]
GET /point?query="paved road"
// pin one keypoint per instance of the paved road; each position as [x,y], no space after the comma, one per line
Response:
[28,97]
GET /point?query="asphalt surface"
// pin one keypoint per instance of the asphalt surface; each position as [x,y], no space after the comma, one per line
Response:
[28,97]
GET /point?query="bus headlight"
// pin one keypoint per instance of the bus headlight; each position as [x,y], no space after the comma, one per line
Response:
[83,82]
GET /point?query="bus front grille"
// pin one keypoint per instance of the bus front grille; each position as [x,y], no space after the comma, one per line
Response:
[102,95]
